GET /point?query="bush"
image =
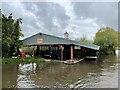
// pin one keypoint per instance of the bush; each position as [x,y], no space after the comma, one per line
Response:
[20,60]
[107,39]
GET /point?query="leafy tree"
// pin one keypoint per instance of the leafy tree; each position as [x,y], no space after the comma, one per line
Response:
[84,40]
[11,32]
[107,39]
[118,40]
[0,34]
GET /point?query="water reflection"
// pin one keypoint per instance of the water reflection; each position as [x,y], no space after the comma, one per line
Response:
[0,73]
[51,74]
[27,68]
[24,80]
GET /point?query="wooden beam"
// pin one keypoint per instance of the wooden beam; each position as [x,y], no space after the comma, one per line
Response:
[71,52]
[50,50]
[38,50]
[33,53]
[62,48]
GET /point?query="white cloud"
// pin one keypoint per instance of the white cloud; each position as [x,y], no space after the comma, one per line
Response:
[78,27]
[56,22]
[68,8]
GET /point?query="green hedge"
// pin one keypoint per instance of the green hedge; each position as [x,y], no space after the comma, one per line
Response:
[20,60]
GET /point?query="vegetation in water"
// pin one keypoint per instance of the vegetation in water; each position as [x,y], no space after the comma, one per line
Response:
[107,39]
[20,60]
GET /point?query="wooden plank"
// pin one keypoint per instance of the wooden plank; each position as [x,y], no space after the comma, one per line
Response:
[71,52]
[33,52]
[70,62]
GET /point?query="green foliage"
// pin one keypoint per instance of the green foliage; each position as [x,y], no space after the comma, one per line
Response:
[0,34]
[118,41]
[107,39]
[11,32]
[20,60]
[28,50]
[84,40]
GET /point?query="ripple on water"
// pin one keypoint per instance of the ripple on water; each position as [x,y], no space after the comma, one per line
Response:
[79,84]
[24,82]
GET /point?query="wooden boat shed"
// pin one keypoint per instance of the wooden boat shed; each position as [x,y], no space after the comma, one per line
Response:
[49,46]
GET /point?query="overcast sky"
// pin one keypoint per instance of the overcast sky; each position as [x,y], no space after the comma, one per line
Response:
[77,18]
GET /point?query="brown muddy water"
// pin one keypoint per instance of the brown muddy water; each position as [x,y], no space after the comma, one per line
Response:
[101,74]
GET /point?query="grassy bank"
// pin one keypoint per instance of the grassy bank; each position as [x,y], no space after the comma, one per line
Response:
[20,60]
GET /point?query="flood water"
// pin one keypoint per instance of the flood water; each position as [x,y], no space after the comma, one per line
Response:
[101,74]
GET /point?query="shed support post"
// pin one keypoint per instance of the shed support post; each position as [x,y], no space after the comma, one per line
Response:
[58,52]
[61,54]
[50,50]
[38,50]
[33,53]
[71,52]
[62,48]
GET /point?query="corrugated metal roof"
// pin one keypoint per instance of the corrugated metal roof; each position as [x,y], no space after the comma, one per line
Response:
[50,39]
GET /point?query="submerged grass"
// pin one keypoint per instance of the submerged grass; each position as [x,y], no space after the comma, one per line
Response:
[20,60]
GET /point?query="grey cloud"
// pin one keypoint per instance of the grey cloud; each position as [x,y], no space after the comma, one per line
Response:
[46,13]
[39,17]
[105,12]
